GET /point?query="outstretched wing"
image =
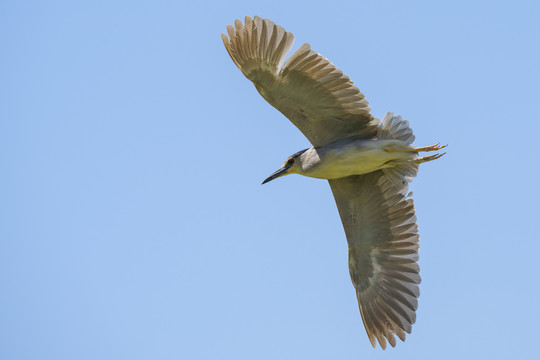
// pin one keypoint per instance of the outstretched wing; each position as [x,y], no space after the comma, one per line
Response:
[309,90]
[381,230]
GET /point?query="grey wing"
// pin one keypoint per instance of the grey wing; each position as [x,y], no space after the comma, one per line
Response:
[382,234]
[309,90]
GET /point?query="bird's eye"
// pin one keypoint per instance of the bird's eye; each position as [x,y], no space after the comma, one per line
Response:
[290,161]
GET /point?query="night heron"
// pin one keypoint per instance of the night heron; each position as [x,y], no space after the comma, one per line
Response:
[367,162]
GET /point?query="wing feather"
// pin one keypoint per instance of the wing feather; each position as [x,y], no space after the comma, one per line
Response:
[381,230]
[309,90]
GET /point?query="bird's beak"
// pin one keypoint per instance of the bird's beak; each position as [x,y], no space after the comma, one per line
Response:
[276,174]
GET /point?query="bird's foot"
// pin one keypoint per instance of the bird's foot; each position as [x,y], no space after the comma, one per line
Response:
[430,148]
[424,159]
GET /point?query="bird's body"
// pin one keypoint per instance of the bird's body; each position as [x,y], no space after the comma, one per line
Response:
[353,157]
[368,163]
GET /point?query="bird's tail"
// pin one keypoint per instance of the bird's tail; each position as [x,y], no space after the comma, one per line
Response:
[394,127]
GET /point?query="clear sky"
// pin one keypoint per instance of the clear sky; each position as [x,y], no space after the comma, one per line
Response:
[132,220]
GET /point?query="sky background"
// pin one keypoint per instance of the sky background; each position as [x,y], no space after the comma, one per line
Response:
[132,220]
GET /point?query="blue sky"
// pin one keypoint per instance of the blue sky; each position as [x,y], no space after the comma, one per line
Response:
[132,220]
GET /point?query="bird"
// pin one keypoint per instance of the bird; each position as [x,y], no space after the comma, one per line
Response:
[368,163]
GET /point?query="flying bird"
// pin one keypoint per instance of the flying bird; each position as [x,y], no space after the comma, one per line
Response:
[367,162]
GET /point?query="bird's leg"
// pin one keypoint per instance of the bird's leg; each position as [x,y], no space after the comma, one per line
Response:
[430,148]
[394,148]
[424,159]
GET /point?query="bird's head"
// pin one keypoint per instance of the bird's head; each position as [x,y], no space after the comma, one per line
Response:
[292,165]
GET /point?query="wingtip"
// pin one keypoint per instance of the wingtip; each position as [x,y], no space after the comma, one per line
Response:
[225,39]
